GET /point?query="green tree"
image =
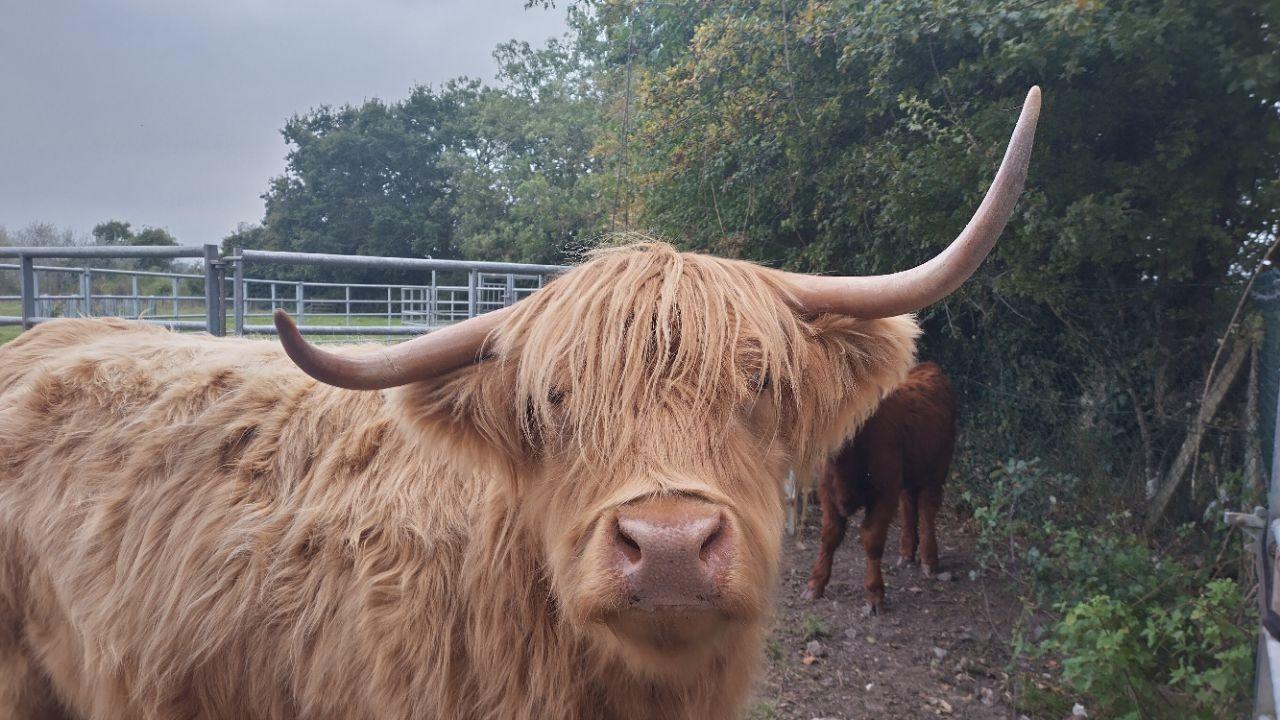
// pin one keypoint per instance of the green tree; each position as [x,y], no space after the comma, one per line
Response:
[524,169]
[112,232]
[153,236]
[367,180]
[246,235]
[499,172]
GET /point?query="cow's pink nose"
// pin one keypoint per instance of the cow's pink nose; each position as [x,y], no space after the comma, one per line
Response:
[673,551]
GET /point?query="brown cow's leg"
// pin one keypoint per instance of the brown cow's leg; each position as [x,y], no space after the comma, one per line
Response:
[930,503]
[875,528]
[834,523]
[910,536]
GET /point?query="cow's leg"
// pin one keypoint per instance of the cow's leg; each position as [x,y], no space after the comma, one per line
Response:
[834,523]
[875,528]
[910,536]
[930,503]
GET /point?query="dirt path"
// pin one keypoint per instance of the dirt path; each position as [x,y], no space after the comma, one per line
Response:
[939,650]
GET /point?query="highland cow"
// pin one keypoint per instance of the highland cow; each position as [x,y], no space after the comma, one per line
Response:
[555,510]
[898,460]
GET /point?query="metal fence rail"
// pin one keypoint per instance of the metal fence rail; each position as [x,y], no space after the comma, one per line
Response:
[199,300]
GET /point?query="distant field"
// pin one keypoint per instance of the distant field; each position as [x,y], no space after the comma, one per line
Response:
[10,332]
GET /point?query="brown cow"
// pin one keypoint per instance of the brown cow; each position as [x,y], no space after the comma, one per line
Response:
[550,511]
[898,460]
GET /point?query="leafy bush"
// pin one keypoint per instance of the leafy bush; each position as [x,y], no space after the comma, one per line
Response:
[1188,658]
[1139,633]
[1019,496]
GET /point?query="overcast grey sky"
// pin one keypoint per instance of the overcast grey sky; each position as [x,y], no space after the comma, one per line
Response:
[167,112]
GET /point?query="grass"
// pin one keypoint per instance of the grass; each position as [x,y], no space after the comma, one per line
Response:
[763,710]
[813,627]
[9,332]
[13,308]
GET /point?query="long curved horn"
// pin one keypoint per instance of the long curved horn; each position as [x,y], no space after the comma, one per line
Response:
[421,358]
[878,296]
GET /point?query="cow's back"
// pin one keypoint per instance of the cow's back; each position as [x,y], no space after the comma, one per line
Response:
[915,423]
[197,503]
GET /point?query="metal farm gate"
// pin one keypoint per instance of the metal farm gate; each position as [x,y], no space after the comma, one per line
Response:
[217,295]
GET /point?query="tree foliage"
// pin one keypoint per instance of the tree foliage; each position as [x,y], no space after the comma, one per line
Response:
[841,136]
[499,172]
[118,232]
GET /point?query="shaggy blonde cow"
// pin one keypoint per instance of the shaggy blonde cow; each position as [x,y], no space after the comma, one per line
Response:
[566,509]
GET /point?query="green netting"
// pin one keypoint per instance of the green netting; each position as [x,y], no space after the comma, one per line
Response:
[1266,297]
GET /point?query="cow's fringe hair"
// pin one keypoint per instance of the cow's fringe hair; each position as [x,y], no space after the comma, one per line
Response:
[651,331]
[654,342]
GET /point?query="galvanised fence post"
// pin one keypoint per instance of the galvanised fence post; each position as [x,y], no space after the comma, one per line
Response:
[237,292]
[28,290]
[471,294]
[86,292]
[213,315]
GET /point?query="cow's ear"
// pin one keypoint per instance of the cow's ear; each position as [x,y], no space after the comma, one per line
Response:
[470,415]
[850,365]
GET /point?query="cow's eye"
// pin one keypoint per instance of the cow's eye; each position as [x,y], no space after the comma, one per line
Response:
[760,383]
[555,396]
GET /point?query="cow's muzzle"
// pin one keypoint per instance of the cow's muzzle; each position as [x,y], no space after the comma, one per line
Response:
[674,553]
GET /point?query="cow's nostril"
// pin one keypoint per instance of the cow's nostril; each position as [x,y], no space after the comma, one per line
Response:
[709,545]
[629,547]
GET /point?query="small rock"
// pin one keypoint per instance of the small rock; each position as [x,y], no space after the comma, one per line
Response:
[945,577]
[942,706]
[940,653]
[988,697]
[815,649]
[850,634]
[1078,711]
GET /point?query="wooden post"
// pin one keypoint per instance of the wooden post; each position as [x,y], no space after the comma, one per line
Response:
[1191,445]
